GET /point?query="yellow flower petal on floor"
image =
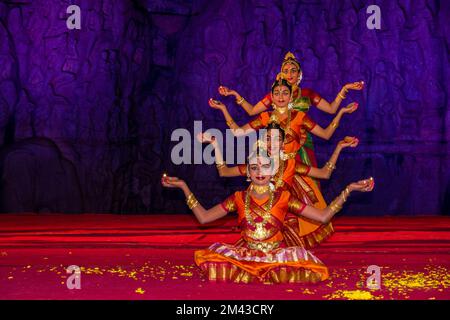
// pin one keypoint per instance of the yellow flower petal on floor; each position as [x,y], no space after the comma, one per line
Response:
[140,291]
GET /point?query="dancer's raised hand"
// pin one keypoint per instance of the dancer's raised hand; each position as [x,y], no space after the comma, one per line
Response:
[359,85]
[205,137]
[172,182]
[225,91]
[215,104]
[352,107]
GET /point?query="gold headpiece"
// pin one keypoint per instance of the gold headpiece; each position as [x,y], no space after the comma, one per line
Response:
[280,77]
[290,58]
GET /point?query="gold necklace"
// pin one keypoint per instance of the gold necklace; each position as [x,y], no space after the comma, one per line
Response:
[260,189]
[261,232]
[279,176]
[281,110]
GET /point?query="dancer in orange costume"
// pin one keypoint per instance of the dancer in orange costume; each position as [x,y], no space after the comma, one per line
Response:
[289,173]
[262,255]
[303,99]
[294,123]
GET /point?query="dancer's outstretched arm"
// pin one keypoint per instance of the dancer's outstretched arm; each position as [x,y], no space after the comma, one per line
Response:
[222,167]
[323,105]
[203,216]
[247,106]
[328,132]
[326,171]
[325,215]
[235,129]
[332,107]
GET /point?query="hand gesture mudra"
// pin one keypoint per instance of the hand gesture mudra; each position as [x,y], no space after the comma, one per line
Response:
[359,85]
[225,91]
[172,182]
[215,104]
[352,107]
[366,185]
[205,137]
[349,142]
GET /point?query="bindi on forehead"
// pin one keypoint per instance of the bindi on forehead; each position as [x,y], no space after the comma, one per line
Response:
[259,161]
[281,89]
[263,161]
[290,68]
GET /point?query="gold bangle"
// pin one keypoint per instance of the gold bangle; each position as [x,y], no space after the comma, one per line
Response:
[240,101]
[191,201]
[330,166]
[334,125]
[190,197]
[341,96]
[193,204]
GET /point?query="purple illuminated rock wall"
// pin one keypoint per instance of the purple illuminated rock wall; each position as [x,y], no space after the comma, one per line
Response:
[93,109]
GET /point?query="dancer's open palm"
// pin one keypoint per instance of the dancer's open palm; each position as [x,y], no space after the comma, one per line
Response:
[172,182]
[366,185]
[215,104]
[359,85]
[349,142]
[350,108]
[225,91]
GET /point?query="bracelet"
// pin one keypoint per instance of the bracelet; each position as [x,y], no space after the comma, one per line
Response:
[345,193]
[330,166]
[230,123]
[334,206]
[191,201]
[334,125]
[240,101]
[220,165]
[341,96]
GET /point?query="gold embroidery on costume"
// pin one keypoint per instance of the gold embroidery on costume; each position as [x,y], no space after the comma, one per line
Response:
[308,123]
[302,169]
[230,205]
[295,206]
[262,224]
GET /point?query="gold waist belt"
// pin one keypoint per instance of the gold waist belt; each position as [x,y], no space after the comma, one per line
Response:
[263,246]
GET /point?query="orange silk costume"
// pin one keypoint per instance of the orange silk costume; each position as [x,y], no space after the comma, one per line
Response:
[262,254]
[302,100]
[296,125]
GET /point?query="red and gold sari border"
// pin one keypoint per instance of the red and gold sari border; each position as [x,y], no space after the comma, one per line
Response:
[227,272]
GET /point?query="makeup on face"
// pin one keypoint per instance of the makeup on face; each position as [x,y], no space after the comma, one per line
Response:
[260,170]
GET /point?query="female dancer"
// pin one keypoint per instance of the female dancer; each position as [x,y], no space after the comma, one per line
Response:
[294,123]
[290,174]
[262,254]
[303,98]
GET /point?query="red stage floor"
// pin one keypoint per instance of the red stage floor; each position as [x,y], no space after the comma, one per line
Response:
[151,257]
